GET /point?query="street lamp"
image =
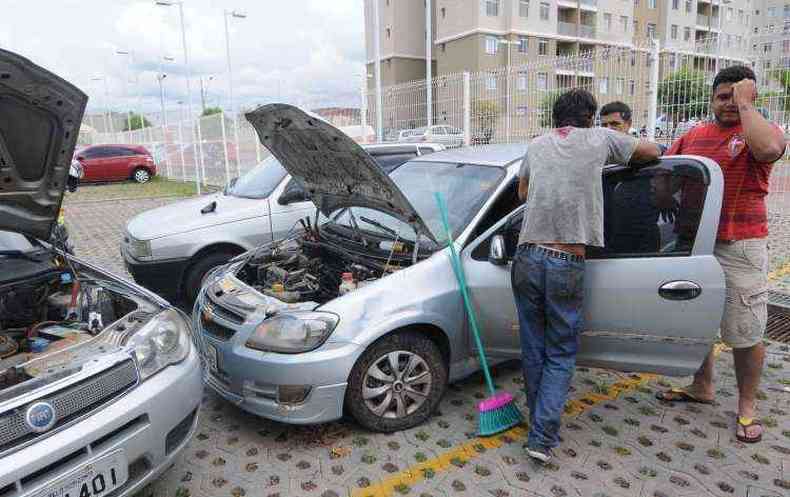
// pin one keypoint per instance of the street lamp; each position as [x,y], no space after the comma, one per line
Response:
[204,92]
[130,54]
[108,118]
[237,15]
[160,78]
[180,3]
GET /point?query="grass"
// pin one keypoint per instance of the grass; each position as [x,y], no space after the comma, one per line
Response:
[157,187]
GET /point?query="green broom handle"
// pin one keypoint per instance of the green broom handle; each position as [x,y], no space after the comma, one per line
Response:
[459,273]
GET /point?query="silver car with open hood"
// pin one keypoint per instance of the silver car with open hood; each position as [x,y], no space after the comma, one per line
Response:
[99,382]
[359,311]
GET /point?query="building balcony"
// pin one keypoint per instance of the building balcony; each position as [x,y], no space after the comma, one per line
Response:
[570,29]
[707,22]
[566,28]
[586,31]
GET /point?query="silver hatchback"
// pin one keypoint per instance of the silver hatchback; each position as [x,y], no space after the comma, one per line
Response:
[361,313]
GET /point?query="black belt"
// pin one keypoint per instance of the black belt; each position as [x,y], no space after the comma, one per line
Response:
[555,254]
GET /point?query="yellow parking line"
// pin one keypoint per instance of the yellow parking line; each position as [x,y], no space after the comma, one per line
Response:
[470,450]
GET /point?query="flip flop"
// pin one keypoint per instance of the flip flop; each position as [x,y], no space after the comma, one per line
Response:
[680,395]
[748,423]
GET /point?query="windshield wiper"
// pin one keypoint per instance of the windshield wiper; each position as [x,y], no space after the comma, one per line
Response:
[378,225]
[18,254]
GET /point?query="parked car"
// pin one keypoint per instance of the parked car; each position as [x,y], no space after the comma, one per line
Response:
[446,135]
[99,382]
[117,163]
[169,249]
[284,338]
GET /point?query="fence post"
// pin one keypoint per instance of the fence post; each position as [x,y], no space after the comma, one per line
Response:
[225,146]
[200,168]
[467,108]
[652,107]
[181,151]
[363,110]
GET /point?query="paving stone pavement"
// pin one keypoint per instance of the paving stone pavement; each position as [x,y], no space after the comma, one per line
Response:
[618,440]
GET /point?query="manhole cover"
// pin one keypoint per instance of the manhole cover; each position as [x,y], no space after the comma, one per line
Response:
[778,327]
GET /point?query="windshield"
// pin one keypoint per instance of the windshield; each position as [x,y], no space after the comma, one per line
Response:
[10,241]
[465,188]
[259,182]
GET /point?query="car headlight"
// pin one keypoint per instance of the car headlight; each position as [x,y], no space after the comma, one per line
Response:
[139,248]
[293,332]
[163,341]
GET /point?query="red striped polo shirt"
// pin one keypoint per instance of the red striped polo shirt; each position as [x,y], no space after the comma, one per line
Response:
[743,212]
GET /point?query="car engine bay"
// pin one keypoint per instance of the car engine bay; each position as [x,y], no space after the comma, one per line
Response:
[53,318]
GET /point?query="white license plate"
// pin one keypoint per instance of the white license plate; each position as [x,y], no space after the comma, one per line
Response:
[95,479]
[211,358]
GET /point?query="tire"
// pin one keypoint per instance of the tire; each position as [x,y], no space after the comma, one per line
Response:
[141,175]
[407,346]
[193,277]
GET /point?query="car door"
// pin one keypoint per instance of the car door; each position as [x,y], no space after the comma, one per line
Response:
[91,159]
[654,294]
[119,163]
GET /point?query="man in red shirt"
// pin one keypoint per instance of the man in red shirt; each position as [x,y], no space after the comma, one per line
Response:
[745,145]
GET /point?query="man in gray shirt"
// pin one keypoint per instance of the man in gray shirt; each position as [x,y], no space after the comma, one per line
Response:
[561,181]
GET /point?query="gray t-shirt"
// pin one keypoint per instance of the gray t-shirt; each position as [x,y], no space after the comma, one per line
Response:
[565,199]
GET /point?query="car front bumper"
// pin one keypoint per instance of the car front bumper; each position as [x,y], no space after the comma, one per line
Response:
[252,379]
[151,424]
[161,277]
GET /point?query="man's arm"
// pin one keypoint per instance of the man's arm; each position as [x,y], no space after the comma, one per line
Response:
[645,152]
[523,187]
[766,142]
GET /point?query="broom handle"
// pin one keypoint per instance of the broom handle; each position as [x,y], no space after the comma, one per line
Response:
[459,274]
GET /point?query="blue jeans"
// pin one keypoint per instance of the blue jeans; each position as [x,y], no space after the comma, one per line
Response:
[549,294]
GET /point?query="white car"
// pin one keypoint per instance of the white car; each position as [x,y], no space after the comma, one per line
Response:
[446,135]
[169,249]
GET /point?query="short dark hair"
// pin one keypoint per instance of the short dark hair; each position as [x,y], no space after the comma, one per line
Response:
[733,74]
[575,107]
[615,107]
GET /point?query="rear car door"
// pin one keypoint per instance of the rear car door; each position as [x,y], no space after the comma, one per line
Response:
[119,163]
[654,294]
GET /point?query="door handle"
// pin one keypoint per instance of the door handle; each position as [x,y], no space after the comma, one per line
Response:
[680,290]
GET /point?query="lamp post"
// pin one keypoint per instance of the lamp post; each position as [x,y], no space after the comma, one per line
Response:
[428,62]
[128,92]
[377,55]
[180,4]
[107,116]
[160,78]
[204,92]
[236,15]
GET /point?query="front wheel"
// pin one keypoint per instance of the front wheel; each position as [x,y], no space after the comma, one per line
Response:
[397,383]
[141,175]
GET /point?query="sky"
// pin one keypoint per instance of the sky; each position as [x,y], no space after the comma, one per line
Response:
[306,52]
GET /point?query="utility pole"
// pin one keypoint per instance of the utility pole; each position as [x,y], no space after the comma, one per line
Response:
[428,61]
[377,50]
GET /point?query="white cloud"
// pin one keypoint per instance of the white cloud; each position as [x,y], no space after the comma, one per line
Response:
[311,49]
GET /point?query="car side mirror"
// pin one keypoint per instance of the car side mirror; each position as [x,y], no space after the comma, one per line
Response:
[230,185]
[497,252]
[80,157]
[291,196]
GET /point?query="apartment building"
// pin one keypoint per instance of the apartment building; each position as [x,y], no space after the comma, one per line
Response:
[480,35]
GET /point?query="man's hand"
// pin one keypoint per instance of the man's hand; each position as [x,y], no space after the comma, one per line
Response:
[744,92]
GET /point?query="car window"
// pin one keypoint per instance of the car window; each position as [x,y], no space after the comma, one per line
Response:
[92,153]
[389,162]
[652,212]
[260,181]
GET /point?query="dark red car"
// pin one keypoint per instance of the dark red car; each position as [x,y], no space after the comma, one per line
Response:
[116,163]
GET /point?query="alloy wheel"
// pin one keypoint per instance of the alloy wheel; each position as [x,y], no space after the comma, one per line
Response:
[396,384]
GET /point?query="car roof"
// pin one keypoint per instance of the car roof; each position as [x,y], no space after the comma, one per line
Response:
[485,155]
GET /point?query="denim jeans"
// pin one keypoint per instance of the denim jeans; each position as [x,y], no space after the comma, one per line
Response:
[549,293]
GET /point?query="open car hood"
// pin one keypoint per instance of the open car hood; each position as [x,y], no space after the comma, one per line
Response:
[331,167]
[41,116]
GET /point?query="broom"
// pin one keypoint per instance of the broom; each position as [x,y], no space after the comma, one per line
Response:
[498,412]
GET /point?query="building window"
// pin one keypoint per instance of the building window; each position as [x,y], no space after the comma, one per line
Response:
[492,8]
[740,16]
[767,47]
[729,41]
[686,34]
[490,82]
[689,6]
[543,47]
[787,10]
[674,31]
[521,82]
[624,23]
[607,22]
[636,27]
[651,4]
[771,11]
[544,11]
[389,33]
[785,46]
[730,12]
[636,3]
[523,44]
[444,12]
[632,87]
[543,79]
[675,4]
[619,85]
[523,8]
[651,30]
[770,28]
[603,86]
[491,45]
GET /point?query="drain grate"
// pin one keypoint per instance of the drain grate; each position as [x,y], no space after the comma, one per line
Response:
[778,327]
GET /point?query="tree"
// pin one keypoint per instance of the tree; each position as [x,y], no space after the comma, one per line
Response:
[781,76]
[208,111]
[487,113]
[684,94]
[138,122]
[546,108]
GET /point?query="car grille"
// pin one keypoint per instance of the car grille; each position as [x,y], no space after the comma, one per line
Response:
[216,330]
[69,404]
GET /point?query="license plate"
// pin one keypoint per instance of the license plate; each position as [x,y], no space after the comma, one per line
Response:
[211,358]
[95,479]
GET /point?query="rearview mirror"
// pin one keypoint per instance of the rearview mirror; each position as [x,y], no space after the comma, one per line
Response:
[497,251]
[291,196]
